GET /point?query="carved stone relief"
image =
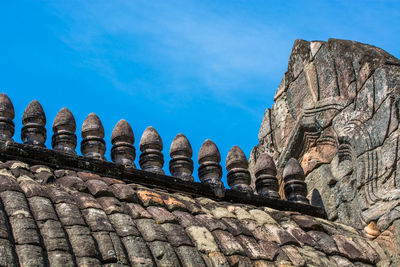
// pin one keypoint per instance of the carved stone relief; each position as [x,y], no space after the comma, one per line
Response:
[337,112]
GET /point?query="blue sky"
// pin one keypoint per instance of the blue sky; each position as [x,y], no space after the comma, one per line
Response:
[207,69]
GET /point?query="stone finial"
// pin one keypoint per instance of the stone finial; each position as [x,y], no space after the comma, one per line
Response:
[266,181]
[7,115]
[181,164]
[93,145]
[151,159]
[238,175]
[122,138]
[64,127]
[34,120]
[210,171]
[293,176]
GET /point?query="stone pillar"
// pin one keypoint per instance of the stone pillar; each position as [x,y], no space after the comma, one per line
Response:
[293,177]
[93,145]
[64,127]
[238,175]
[181,164]
[7,115]
[151,159]
[34,121]
[122,138]
[265,172]
[210,171]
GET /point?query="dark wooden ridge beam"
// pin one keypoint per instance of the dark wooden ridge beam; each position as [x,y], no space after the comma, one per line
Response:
[58,160]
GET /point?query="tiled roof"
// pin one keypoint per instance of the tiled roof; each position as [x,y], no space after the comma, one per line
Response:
[64,217]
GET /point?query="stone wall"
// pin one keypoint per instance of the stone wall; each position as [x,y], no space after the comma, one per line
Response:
[337,111]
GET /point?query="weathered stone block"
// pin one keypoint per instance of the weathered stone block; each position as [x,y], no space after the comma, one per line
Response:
[42,209]
[85,201]
[189,256]
[163,253]
[210,222]
[119,250]
[176,234]
[98,188]
[6,253]
[60,258]
[150,230]
[72,182]
[149,198]
[53,236]
[30,255]
[81,241]
[123,224]
[97,220]
[69,214]
[228,243]
[14,203]
[124,192]
[105,246]
[185,219]
[138,252]
[24,230]
[202,238]
[251,247]
[111,205]
[161,215]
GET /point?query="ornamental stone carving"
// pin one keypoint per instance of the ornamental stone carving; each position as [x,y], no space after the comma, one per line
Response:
[64,127]
[34,121]
[238,175]
[7,115]
[151,145]
[181,163]
[210,170]
[93,145]
[265,173]
[337,112]
[122,139]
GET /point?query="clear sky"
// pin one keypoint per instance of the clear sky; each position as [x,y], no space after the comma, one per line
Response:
[207,69]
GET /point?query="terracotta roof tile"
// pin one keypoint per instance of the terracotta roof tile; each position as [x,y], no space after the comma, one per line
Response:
[90,219]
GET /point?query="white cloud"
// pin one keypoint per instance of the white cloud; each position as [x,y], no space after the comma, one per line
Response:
[217,48]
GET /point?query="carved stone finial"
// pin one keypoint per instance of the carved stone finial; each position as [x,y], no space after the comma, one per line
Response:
[34,120]
[295,188]
[181,164]
[238,175]
[266,181]
[122,138]
[64,127]
[7,115]
[151,159]
[210,171]
[93,145]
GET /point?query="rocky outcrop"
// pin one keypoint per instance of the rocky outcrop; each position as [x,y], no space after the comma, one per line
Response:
[337,112]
